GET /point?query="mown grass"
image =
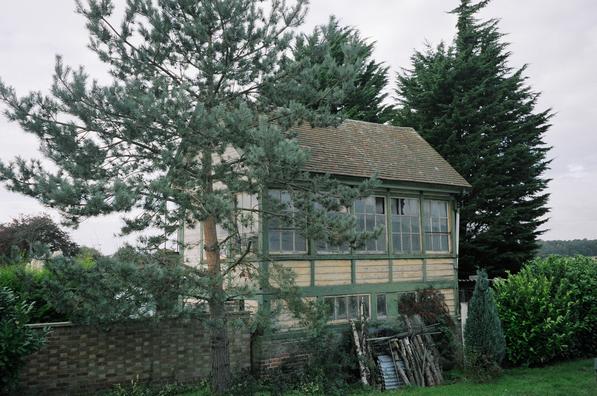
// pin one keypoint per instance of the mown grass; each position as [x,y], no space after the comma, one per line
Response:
[565,379]
[569,378]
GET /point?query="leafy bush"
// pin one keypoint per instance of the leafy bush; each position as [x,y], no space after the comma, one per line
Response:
[29,237]
[549,310]
[430,305]
[332,363]
[484,344]
[29,285]
[17,341]
[112,291]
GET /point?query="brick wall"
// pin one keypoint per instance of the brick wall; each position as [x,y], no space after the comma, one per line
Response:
[284,352]
[82,359]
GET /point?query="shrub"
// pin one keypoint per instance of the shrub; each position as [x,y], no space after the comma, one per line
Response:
[484,344]
[113,291]
[17,341]
[332,362]
[430,305]
[29,237]
[29,285]
[137,388]
[549,310]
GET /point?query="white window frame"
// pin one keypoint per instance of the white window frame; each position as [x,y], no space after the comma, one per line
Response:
[384,235]
[282,229]
[399,232]
[346,297]
[428,221]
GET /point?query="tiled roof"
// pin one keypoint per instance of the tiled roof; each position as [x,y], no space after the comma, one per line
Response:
[357,148]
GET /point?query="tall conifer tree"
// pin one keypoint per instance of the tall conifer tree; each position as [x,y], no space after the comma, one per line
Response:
[366,100]
[201,108]
[479,113]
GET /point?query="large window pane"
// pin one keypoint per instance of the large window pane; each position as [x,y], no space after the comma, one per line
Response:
[332,247]
[283,236]
[436,226]
[405,225]
[354,306]
[382,310]
[341,308]
[274,240]
[370,215]
[347,307]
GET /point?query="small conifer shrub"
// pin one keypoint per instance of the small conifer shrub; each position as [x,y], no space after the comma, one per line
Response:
[484,342]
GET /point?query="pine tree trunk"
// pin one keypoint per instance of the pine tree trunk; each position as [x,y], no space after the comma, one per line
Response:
[220,358]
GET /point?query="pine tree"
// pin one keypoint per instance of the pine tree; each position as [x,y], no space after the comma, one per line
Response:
[484,342]
[480,115]
[201,109]
[365,101]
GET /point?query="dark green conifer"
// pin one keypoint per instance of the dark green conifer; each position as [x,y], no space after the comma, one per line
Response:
[484,342]
[366,100]
[479,113]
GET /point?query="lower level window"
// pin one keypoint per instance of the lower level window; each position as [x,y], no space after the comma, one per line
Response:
[382,308]
[347,307]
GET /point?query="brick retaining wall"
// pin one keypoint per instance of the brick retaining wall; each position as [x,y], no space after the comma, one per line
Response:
[82,359]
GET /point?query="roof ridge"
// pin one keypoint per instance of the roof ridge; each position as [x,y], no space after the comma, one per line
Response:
[381,125]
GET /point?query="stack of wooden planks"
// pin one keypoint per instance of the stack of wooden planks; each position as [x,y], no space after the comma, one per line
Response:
[414,356]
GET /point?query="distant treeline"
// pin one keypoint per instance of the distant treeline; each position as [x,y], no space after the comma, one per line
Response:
[585,247]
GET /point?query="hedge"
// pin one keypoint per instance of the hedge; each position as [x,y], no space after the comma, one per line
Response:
[549,310]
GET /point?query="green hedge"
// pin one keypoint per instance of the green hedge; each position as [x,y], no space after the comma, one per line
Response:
[549,310]
[29,285]
[17,341]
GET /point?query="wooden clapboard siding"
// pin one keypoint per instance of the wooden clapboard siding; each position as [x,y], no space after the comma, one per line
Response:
[450,299]
[251,306]
[372,271]
[407,270]
[440,268]
[332,272]
[301,269]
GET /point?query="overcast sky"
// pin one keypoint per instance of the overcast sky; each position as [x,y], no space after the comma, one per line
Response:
[557,39]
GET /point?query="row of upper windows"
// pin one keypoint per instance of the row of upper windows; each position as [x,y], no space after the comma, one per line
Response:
[370,213]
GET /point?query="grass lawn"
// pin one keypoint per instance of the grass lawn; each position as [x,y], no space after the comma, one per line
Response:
[566,379]
[569,378]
